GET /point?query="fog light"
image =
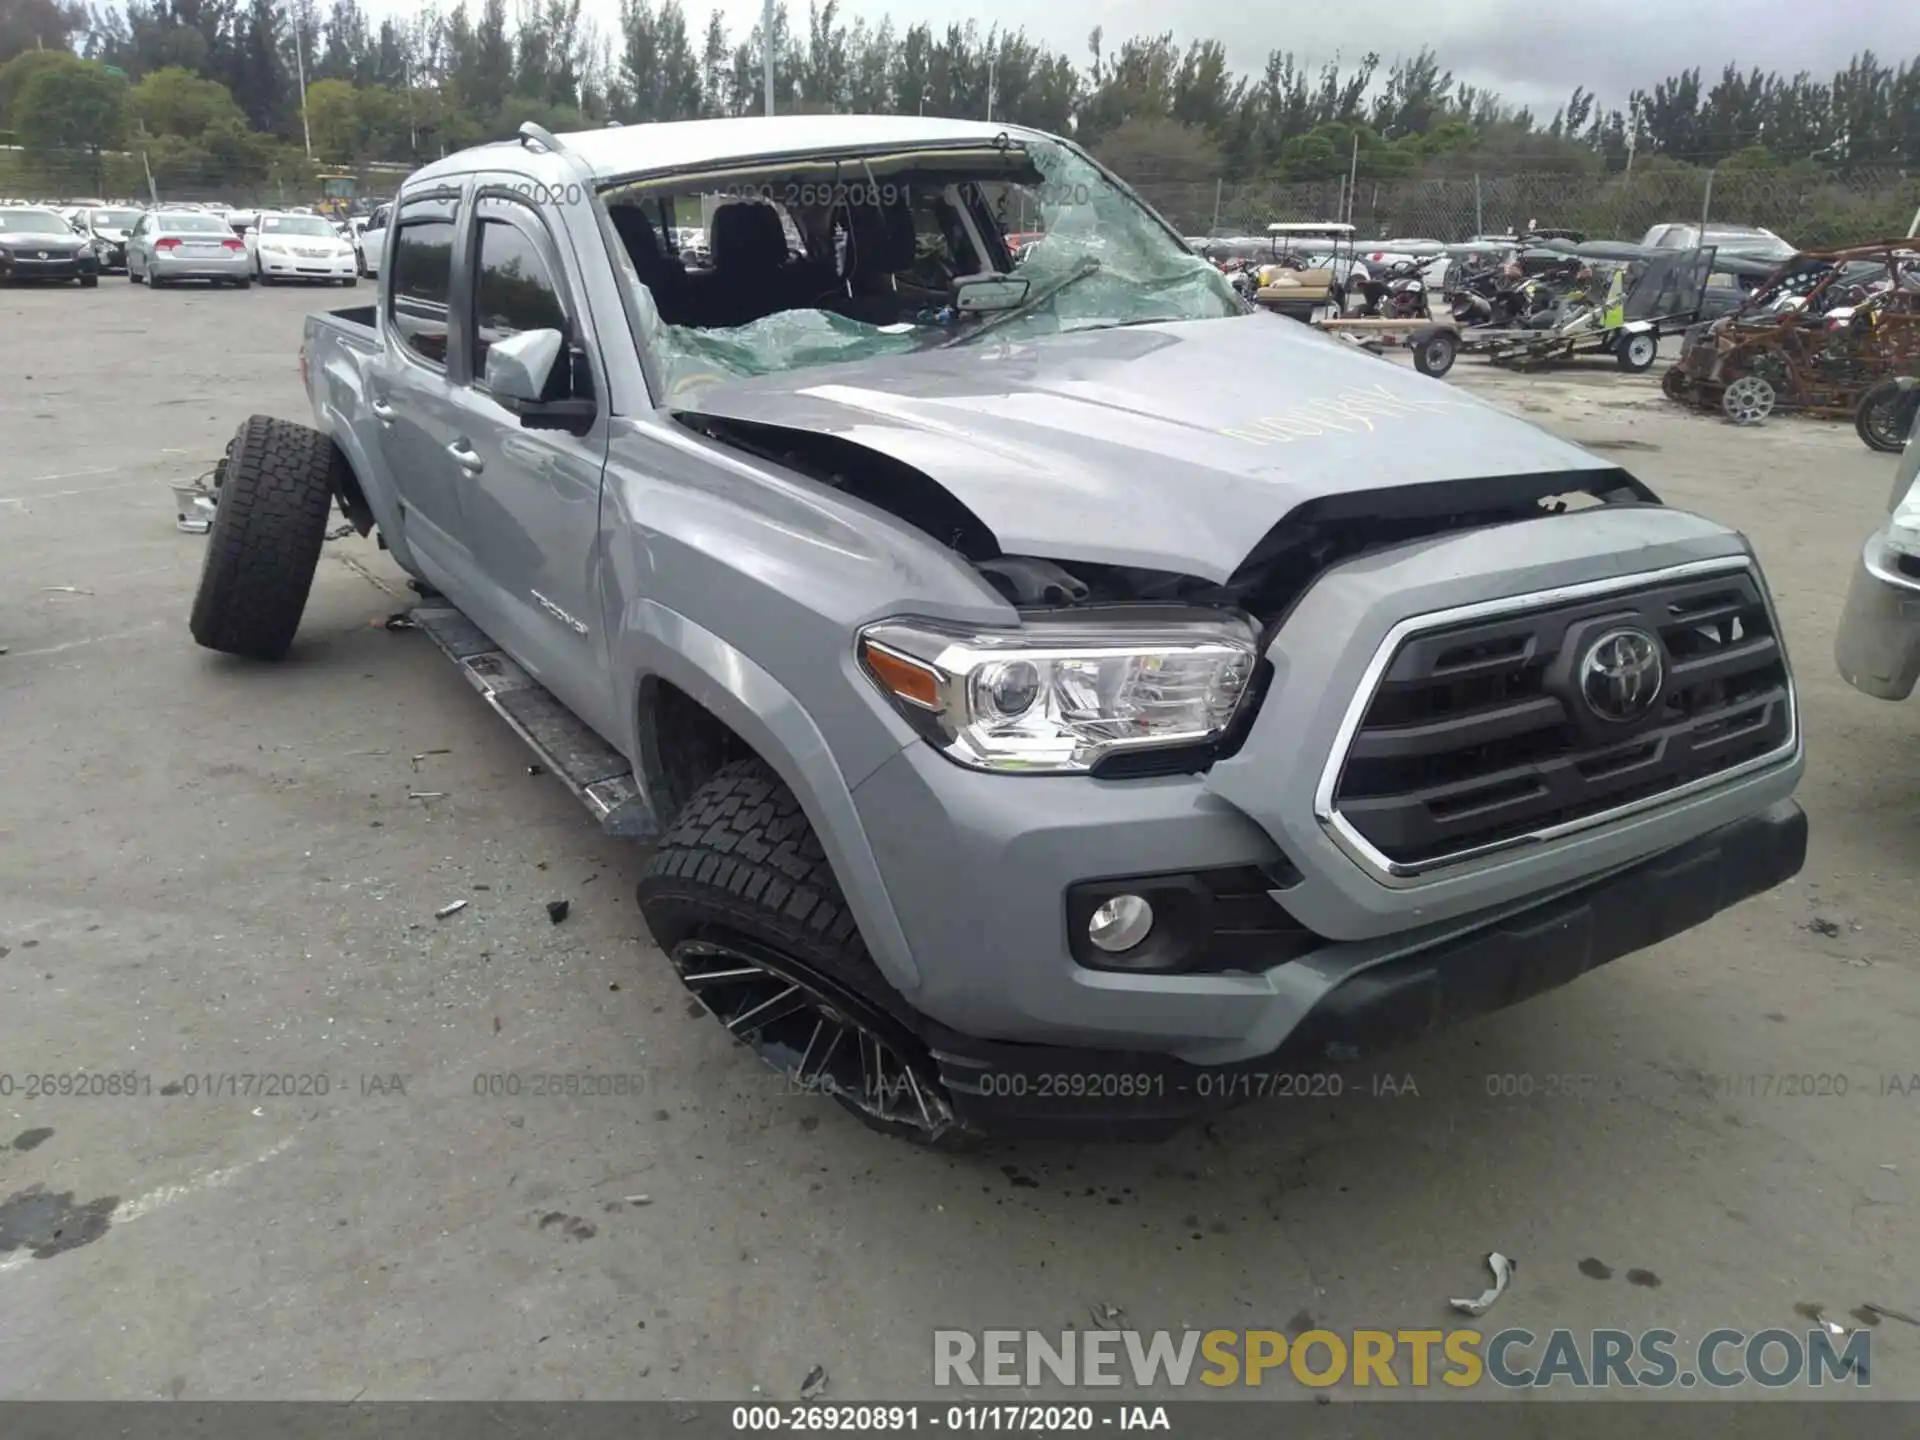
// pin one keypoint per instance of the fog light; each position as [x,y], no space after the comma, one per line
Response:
[1120,924]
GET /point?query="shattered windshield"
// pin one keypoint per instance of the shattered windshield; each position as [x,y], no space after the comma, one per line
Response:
[865,255]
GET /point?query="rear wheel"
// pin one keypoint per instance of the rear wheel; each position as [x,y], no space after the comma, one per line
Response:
[1434,352]
[1636,352]
[269,523]
[741,897]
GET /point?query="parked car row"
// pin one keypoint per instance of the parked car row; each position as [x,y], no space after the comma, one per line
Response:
[164,245]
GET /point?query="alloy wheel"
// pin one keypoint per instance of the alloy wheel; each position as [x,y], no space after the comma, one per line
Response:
[1748,400]
[823,1039]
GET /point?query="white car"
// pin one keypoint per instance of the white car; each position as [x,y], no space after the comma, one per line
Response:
[373,240]
[300,247]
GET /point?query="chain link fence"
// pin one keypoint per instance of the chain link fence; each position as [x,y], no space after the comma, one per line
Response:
[1811,211]
[1808,210]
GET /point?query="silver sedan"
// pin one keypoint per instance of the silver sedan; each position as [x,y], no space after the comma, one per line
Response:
[170,245]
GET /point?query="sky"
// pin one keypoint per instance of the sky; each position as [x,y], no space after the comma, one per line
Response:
[1533,51]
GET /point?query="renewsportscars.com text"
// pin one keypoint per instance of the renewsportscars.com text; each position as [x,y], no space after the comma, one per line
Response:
[1389,1359]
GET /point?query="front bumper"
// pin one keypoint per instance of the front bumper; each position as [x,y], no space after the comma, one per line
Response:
[976,869]
[30,265]
[1877,647]
[307,267]
[1006,1088]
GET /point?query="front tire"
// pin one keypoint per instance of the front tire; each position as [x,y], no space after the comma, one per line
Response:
[1886,416]
[740,896]
[89,282]
[268,526]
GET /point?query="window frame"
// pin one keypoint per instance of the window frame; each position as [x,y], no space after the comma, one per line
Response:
[446,203]
[510,203]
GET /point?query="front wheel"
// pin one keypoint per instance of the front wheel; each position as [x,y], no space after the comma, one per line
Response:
[1886,415]
[1636,352]
[89,282]
[740,896]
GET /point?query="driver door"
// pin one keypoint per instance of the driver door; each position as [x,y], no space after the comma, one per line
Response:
[532,495]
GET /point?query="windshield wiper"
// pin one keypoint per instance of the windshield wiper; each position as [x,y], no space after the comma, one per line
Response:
[1089,265]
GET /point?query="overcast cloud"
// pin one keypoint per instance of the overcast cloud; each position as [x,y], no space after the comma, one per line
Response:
[1533,51]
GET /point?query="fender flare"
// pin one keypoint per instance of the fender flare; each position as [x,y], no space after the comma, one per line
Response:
[656,643]
[380,504]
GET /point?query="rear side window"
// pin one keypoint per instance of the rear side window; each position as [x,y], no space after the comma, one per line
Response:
[421,283]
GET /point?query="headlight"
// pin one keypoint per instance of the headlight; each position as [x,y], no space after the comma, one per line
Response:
[1056,698]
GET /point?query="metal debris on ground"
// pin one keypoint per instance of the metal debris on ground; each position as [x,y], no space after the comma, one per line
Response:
[452,908]
[815,1385]
[400,620]
[1107,1317]
[426,794]
[558,910]
[1820,925]
[1502,1269]
[63,590]
[339,532]
[425,753]
[639,1199]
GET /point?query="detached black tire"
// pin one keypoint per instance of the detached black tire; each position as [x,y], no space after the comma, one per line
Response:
[741,869]
[269,523]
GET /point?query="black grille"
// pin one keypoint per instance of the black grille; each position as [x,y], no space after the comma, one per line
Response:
[1477,733]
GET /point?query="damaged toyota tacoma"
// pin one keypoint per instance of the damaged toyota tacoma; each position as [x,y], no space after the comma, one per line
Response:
[1050,692]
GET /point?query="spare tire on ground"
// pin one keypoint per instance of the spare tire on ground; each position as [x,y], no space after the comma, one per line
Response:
[268,526]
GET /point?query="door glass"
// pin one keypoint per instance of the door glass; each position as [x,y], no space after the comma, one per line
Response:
[513,290]
[422,284]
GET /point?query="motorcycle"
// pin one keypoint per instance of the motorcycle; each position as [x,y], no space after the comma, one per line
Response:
[1397,293]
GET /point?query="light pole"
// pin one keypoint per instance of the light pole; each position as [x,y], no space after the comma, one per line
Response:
[766,26]
[300,66]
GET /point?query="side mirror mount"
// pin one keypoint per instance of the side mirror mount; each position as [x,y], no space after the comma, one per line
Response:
[517,373]
[519,367]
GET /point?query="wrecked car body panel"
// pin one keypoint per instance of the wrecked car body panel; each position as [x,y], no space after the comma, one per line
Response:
[1106,446]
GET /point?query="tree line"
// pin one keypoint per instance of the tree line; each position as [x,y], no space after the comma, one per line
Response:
[214,84]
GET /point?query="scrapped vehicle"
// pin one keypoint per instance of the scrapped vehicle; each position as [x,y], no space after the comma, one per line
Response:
[1056,693]
[301,247]
[1629,298]
[108,227]
[1815,338]
[37,245]
[168,246]
[1746,242]
[1877,647]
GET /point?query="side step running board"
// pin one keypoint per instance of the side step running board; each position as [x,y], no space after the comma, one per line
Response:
[588,766]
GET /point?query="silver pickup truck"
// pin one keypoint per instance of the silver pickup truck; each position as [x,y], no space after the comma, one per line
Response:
[1050,692]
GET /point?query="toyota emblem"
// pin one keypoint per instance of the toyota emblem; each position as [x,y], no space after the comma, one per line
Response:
[1621,675]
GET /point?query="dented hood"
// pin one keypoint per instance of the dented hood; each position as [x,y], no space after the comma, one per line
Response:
[1168,446]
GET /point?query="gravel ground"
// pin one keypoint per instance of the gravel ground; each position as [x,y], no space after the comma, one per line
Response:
[211,869]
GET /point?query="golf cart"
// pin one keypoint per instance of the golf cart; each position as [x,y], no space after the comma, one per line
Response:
[1308,268]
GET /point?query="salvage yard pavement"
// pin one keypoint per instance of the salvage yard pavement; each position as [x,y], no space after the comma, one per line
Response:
[283,1117]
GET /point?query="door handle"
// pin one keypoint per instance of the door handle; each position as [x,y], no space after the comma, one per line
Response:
[468,459]
[382,412]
